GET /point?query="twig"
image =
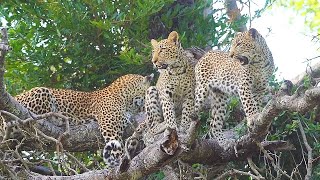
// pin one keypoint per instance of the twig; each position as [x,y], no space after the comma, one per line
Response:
[17,120]
[315,160]
[271,160]
[46,137]
[83,167]
[234,172]
[59,146]
[310,59]
[254,168]
[309,150]
[65,165]
[296,169]
[12,174]
[51,168]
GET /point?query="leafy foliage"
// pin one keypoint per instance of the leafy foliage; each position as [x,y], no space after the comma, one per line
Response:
[87,44]
[308,9]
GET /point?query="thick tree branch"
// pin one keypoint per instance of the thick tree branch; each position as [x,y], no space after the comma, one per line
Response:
[150,160]
[234,14]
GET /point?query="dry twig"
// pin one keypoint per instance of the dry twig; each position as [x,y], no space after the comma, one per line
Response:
[254,168]
[309,150]
[264,151]
[234,172]
[82,166]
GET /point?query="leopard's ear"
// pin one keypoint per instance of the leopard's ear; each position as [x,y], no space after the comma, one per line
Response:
[154,43]
[173,37]
[253,33]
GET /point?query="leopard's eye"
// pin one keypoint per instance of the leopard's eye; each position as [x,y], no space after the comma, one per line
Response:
[161,47]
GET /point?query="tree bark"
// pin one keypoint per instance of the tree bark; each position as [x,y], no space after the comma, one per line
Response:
[234,14]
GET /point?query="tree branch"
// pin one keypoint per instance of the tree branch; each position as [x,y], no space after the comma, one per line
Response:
[234,14]
[234,172]
[309,150]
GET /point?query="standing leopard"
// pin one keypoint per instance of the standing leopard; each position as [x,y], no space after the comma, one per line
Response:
[176,80]
[111,107]
[171,102]
[244,72]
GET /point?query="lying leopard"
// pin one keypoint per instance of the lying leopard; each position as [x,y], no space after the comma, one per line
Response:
[244,72]
[111,106]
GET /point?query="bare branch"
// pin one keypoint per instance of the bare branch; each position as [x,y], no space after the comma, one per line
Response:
[234,172]
[254,168]
[309,150]
[83,167]
[153,158]
[272,160]
[310,59]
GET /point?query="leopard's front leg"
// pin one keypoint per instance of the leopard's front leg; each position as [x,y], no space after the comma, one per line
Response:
[167,103]
[250,105]
[111,127]
[187,110]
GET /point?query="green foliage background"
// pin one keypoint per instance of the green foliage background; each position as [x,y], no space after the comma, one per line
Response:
[310,9]
[86,44]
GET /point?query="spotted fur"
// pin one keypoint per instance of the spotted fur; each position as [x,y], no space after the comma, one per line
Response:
[176,81]
[111,107]
[244,72]
[170,103]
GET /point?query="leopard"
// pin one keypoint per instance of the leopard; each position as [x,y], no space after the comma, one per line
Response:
[112,107]
[244,71]
[170,103]
[176,80]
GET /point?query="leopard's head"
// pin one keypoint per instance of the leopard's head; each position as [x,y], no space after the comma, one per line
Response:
[137,98]
[166,52]
[249,47]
